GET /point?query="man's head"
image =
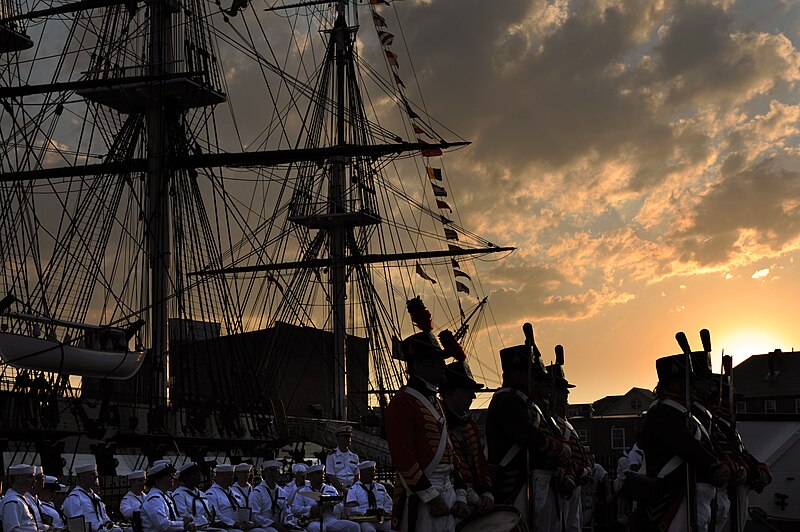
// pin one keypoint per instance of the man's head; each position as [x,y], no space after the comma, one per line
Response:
[21,477]
[49,488]
[425,357]
[86,476]
[189,474]
[136,481]
[459,387]
[38,480]
[316,474]
[272,471]
[160,476]
[367,471]
[299,471]
[242,473]
[223,475]
[344,435]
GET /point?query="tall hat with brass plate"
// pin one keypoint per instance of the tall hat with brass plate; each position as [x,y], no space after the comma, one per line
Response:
[556,370]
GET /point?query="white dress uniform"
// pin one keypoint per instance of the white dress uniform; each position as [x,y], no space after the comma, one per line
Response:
[131,503]
[194,504]
[36,506]
[343,465]
[359,493]
[159,514]
[270,506]
[224,504]
[242,494]
[16,514]
[49,509]
[291,489]
[81,502]
[331,517]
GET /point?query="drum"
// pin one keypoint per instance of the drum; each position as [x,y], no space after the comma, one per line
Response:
[499,519]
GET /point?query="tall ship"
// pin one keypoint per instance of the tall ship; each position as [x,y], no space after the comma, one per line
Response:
[211,217]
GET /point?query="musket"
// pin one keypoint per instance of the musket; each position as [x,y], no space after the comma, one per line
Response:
[533,351]
[691,486]
[733,491]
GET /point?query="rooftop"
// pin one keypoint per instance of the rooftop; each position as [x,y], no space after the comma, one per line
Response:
[770,375]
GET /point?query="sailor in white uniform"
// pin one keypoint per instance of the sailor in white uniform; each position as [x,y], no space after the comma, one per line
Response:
[342,464]
[132,501]
[227,509]
[32,496]
[367,497]
[82,501]
[51,512]
[158,509]
[16,513]
[268,500]
[306,508]
[241,488]
[299,481]
[189,500]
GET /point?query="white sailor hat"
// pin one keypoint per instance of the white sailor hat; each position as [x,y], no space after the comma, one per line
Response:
[271,463]
[366,464]
[133,475]
[85,468]
[186,468]
[346,430]
[299,468]
[21,470]
[242,467]
[161,462]
[37,470]
[50,480]
[62,488]
[314,468]
[160,468]
[224,468]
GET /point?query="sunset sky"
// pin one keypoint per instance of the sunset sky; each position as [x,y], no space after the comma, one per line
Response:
[644,158]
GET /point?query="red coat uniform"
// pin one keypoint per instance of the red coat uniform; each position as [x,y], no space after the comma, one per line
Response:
[473,466]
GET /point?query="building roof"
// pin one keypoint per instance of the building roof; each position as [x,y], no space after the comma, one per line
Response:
[634,401]
[770,375]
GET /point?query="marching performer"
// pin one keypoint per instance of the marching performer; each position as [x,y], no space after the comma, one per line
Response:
[342,464]
[299,481]
[268,500]
[416,430]
[49,510]
[158,509]
[16,513]
[132,501]
[521,442]
[83,501]
[458,391]
[189,500]
[571,476]
[307,507]
[675,447]
[368,497]
[242,488]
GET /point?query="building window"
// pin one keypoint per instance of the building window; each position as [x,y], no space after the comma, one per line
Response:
[618,439]
[769,406]
[583,435]
[797,406]
[741,407]
[636,405]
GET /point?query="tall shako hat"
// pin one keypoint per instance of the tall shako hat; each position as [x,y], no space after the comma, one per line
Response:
[457,373]
[556,371]
[673,367]
[422,345]
[515,359]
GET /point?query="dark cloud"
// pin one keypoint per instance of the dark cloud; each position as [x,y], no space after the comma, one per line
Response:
[762,198]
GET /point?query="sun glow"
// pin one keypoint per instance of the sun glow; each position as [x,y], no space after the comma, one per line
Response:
[742,344]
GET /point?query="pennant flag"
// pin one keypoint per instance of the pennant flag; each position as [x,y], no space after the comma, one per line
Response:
[398,81]
[424,275]
[453,247]
[410,111]
[434,173]
[450,234]
[386,38]
[461,287]
[455,263]
[432,152]
[439,191]
[461,310]
[445,220]
[459,273]
[392,58]
[379,21]
[443,205]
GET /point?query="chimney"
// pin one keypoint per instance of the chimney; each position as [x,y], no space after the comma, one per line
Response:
[772,361]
